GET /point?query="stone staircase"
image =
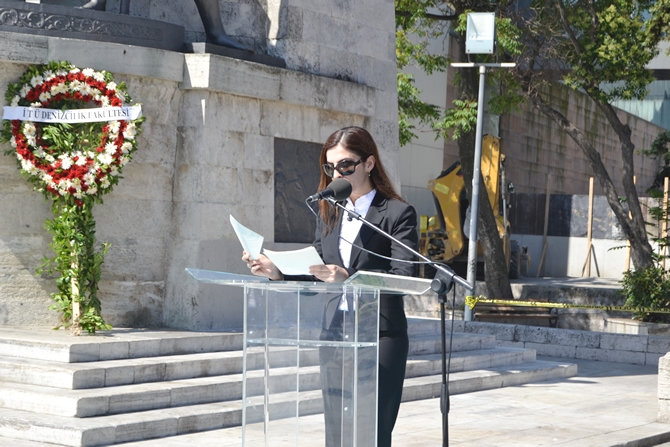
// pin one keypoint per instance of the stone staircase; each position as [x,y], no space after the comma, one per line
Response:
[129,385]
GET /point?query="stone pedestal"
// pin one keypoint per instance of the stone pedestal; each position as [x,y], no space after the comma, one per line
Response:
[206,151]
[664,389]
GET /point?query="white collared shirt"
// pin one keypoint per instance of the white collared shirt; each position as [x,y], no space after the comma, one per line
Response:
[348,233]
[351,228]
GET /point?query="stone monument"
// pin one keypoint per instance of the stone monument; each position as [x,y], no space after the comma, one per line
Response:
[216,129]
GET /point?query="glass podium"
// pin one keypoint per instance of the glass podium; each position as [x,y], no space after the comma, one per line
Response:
[310,357]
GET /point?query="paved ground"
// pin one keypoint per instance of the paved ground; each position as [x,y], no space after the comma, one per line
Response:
[607,404]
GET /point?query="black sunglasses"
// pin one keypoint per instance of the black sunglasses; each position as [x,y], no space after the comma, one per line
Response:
[344,167]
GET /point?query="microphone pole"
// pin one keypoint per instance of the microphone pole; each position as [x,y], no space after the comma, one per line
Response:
[441,284]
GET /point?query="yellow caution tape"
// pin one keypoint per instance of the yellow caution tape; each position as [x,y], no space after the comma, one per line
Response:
[472,301]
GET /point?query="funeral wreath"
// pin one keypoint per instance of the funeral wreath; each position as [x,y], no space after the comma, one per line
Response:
[72,131]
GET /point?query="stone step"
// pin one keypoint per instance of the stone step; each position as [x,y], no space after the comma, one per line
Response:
[60,346]
[426,326]
[148,396]
[462,341]
[76,376]
[120,428]
[426,387]
[105,373]
[468,361]
[92,402]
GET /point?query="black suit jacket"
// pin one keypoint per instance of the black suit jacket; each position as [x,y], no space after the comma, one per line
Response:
[397,219]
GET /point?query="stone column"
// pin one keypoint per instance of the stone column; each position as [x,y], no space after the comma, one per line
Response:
[664,388]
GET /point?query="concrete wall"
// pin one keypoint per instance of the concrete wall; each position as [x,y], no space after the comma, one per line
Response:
[206,151]
[535,147]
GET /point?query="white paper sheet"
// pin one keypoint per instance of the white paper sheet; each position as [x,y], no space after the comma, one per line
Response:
[294,262]
[251,242]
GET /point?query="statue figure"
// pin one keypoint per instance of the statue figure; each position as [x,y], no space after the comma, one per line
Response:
[210,15]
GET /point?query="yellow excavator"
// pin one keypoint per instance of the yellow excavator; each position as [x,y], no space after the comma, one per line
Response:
[445,235]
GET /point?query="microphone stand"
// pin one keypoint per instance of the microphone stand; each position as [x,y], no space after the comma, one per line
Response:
[441,284]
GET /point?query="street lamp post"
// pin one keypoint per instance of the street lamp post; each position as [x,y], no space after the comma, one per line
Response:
[480,39]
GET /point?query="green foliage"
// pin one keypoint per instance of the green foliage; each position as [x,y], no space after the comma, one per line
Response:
[415,26]
[647,288]
[413,30]
[659,150]
[650,287]
[77,260]
[607,47]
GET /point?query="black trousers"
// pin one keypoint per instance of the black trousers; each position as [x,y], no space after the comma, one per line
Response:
[335,385]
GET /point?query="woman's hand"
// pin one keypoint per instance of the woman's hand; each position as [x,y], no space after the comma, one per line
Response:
[262,267]
[329,272]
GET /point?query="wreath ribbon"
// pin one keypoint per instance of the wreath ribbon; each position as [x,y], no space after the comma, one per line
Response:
[42,115]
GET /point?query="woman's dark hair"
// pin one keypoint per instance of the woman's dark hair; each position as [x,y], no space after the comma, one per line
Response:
[359,141]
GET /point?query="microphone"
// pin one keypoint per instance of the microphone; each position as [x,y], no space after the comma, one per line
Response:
[339,189]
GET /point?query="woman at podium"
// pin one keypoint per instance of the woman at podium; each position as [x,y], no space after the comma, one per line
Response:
[352,154]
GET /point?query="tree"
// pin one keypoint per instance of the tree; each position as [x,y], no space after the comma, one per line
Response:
[416,21]
[601,48]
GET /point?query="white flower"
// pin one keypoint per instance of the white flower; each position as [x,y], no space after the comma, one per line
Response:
[27,166]
[66,162]
[88,72]
[44,96]
[31,141]
[36,104]
[29,129]
[39,152]
[15,101]
[114,126]
[110,148]
[74,70]
[114,170]
[92,190]
[81,161]
[36,80]
[105,159]
[126,147]
[124,160]
[24,90]
[104,101]
[50,158]
[76,86]
[61,72]
[78,194]
[89,178]
[48,75]
[46,178]
[104,184]
[130,131]
[58,88]
[111,86]
[99,76]
[12,141]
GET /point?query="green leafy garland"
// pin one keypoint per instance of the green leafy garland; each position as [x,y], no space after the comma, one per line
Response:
[74,164]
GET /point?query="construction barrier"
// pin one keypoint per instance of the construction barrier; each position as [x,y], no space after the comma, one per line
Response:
[472,301]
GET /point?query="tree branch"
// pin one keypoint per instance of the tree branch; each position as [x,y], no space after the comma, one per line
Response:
[567,28]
